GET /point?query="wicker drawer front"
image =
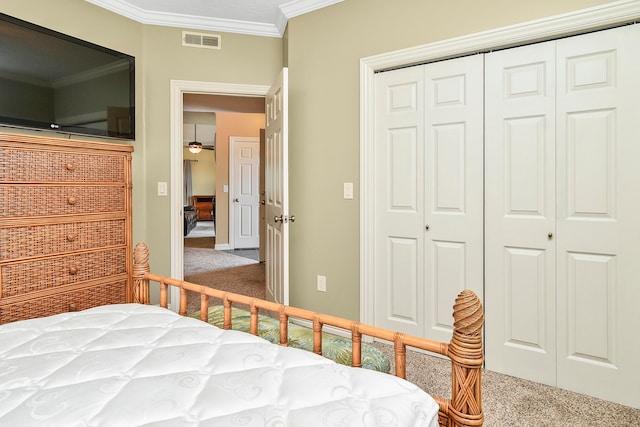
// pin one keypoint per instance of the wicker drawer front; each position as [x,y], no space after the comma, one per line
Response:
[52,166]
[38,240]
[81,299]
[50,200]
[23,277]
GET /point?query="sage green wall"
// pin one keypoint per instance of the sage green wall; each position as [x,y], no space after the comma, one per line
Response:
[242,59]
[160,58]
[324,50]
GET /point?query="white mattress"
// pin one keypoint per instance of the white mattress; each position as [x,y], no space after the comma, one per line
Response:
[129,365]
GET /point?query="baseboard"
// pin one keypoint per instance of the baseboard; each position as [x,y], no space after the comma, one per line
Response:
[223,247]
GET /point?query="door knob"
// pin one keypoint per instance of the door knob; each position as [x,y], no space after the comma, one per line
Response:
[236,200]
[292,218]
[550,236]
[277,218]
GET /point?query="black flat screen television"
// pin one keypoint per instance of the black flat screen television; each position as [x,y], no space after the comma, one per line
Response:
[52,81]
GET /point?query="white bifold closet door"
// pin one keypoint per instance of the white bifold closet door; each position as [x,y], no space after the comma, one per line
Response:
[562,208]
[598,214]
[428,194]
[520,212]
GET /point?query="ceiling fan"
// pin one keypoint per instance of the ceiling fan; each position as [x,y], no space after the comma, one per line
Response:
[195,147]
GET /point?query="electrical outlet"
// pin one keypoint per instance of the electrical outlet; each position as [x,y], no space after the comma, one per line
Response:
[322,283]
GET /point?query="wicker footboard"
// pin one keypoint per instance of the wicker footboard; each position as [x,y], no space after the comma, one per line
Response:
[464,408]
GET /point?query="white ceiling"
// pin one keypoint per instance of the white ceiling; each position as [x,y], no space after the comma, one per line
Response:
[256,17]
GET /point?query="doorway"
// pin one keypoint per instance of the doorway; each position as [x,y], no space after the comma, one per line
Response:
[233,95]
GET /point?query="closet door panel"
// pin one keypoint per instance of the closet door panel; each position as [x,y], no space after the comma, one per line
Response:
[598,206]
[399,200]
[525,281]
[453,219]
[520,212]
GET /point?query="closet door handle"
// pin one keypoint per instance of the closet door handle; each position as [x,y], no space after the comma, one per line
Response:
[550,236]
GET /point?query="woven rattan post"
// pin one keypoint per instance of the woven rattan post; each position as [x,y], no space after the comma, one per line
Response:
[140,269]
[284,326]
[204,307]
[317,335]
[253,318]
[226,302]
[465,351]
[356,346]
[183,302]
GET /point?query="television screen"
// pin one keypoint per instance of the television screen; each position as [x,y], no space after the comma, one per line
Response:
[49,80]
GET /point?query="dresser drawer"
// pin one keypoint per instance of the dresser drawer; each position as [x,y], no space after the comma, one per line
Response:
[75,300]
[20,278]
[52,200]
[23,165]
[50,239]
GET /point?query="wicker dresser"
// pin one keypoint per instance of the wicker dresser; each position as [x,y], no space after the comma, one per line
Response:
[65,225]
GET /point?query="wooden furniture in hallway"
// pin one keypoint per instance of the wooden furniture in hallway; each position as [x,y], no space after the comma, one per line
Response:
[205,206]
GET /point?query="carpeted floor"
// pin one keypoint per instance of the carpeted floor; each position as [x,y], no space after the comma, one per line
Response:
[507,401]
[221,270]
[202,229]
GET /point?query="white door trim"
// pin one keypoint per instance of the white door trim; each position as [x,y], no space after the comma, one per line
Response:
[178,88]
[545,28]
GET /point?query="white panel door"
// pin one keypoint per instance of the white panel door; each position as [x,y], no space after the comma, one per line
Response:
[244,170]
[453,223]
[399,200]
[520,301]
[277,191]
[598,176]
[429,193]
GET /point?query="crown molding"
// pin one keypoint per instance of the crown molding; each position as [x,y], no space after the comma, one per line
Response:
[300,7]
[276,29]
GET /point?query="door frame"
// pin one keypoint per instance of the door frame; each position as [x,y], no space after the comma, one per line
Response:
[232,184]
[575,22]
[178,89]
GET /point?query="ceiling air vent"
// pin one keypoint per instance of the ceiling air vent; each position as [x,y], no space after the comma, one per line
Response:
[209,41]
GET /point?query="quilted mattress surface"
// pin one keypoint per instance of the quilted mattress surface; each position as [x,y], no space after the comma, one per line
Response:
[131,365]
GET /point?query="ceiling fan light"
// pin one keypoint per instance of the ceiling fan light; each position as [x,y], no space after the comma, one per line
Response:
[195,147]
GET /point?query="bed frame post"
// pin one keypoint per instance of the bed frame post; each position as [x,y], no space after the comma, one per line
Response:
[140,269]
[465,351]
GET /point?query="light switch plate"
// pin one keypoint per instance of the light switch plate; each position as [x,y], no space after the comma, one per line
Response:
[322,283]
[348,190]
[162,188]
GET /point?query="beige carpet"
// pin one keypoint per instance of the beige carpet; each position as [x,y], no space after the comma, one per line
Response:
[203,229]
[218,269]
[507,401]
